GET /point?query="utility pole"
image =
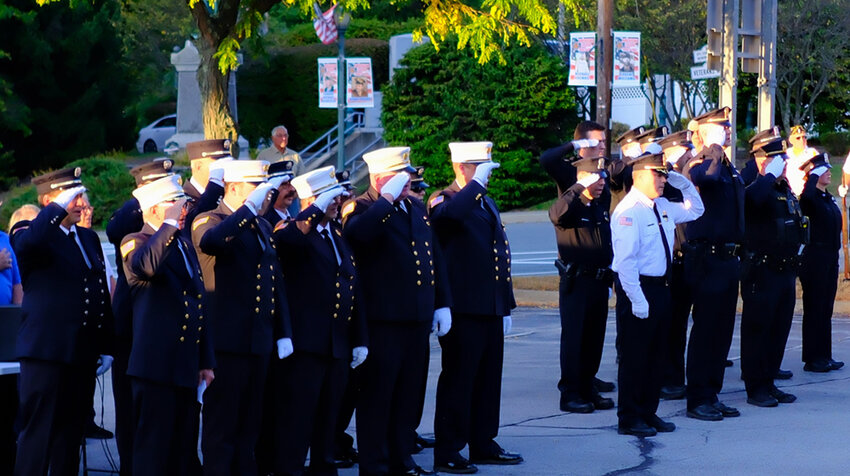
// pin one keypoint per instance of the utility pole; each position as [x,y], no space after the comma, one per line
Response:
[767,74]
[604,65]
[729,73]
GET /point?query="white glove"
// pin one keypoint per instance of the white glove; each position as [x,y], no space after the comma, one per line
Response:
[276,182]
[653,148]
[842,191]
[641,310]
[589,180]
[673,157]
[68,196]
[217,170]
[325,198]
[105,364]
[358,355]
[819,170]
[395,185]
[714,135]
[584,143]
[675,179]
[507,323]
[284,348]
[775,167]
[258,197]
[442,321]
[482,172]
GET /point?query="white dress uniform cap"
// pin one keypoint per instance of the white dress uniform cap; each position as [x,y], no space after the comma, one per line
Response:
[246,171]
[315,182]
[471,152]
[160,190]
[389,159]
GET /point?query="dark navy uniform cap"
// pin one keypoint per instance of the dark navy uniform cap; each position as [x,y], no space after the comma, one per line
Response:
[652,135]
[718,116]
[208,149]
[650,161]
[418,181]
[761,138]
[677,139]
[775,147]
[344,179]
[815,162]
[281,168]
[596,165]
[151,171]
[57,180]
[630,136]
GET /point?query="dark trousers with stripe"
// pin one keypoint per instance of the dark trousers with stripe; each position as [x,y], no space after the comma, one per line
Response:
[469,389]
[819,278]
[164,436]
[642,351]
[583,302]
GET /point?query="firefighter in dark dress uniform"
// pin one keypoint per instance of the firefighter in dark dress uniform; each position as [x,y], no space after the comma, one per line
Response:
[66,325]
[283,196]
[248,311]
[819,265]
[478,259]
[171,352]
[406,295]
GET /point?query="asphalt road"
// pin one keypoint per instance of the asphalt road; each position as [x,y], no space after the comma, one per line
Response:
[533,248]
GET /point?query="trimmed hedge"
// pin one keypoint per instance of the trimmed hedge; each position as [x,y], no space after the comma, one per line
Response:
[283,90]
[523,107]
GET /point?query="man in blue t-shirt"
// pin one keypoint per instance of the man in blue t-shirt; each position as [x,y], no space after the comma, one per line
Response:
[11,291]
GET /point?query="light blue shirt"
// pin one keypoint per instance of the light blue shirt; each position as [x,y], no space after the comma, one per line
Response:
[9,276]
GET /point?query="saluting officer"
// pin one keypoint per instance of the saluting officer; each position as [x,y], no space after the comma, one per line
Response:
[66,324]
[642,227]
[418,184]
[478,260]
[206,187]
[712,266]
[248,311]
[127,219]
[283,196]
[171,352]
[328,326]
[406,295]
[819,266]
[775,234]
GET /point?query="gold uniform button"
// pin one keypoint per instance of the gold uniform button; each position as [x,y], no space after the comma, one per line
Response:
[182,339]
[336,305]
[497,268]
[198,341]
[338,295]
[418,272]
[509,269]
[429,252]
[258,266]
[200,328]
[84,323]
[412,243]
[417,262]
[418,282]
[497,278]
[415,253]
[184,328]
[187,316]
[497,259]
[184,293]
[426,244]
[432,282]
[258,287]
[199,296]
[257,310]
[495,250]
[200,318]
[334,315]
[337,284]
[509,279]
[258,298]
[258,276]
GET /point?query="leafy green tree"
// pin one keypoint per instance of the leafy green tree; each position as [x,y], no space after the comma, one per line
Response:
[523,107]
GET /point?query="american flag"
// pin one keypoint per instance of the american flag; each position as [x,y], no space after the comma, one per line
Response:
[324,24]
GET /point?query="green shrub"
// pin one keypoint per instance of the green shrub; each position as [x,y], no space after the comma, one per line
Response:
[523,107]
[835,143]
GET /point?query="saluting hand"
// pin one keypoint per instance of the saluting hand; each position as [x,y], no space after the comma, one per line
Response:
[394,186]
[216,170]
[176,210]
[584,143]
[675,179]
[67,196]
[483,171]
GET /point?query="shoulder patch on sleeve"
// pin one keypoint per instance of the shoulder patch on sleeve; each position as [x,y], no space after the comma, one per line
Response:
[625,221]
[348,209]
[200,221]
[127,247]
[436,201]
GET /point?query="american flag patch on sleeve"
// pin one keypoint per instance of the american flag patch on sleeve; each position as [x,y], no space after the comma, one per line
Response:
[625,221]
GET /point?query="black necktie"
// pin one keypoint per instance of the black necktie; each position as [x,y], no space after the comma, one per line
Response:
[668,271]
[329,240]
[185,257]
[73,236]
[399,207]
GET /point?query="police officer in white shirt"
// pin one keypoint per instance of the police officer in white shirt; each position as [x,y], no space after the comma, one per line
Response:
[798,154]
[642,261]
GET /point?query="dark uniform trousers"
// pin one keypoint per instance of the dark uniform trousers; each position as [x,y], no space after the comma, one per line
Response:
[470,386]
[172,429]
[584,314]
[343,442]
[393,373]
[819,278]
[642,351]
[715,296]
[769,297]
[674,374]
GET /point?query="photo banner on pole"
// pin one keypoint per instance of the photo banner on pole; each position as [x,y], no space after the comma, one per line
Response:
[327,83]
[582,59]
[626,58]
[360,87]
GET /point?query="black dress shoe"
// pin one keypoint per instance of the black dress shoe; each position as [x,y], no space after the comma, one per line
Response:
[784,374]
[640,429]
[705,412]
[672,392]
[729,363]
[577,406]
[820,366]
[345,458]
[660,425]
[416,471]
[500,458]
[762,399]
[835,364]
[602,386]
[455,465]
[782,397]
[97,433]
[602,403]
[425,442]
[726,411]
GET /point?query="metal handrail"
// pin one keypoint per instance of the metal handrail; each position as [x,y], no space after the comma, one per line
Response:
[355,166]
[330,140]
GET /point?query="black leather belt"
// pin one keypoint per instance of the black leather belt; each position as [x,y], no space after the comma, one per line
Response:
[656,280]
[573,269]
[720,250]
[776,263]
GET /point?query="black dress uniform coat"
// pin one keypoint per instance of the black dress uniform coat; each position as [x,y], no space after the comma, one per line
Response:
[170,346]
[478,261]
[403,276]
[248,312]
[327,322]
[66,324]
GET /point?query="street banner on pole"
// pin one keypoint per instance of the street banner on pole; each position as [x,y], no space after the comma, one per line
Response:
[582,59]
[359,88]
[626,58]
[327,83]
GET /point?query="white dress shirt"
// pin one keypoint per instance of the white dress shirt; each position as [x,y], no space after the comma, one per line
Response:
[638,247]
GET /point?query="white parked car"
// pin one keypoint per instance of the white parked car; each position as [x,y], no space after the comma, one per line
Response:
[153,136]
